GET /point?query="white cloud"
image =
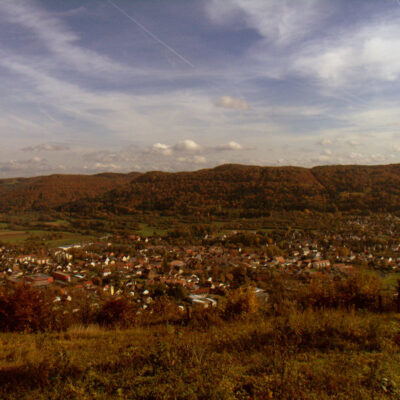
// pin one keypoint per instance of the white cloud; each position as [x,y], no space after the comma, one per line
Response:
[161,148]
[378,116]
[378,157]
[292,42]
[105,166]
[199,159]
[353,142]
[187,145]
[369,52]
[229,146]
[60,41]
[232,103]
[322,158]
[278,21]
[325,142]
[190,146]
[47,147]
[329,65]
[31,166]
[113,110]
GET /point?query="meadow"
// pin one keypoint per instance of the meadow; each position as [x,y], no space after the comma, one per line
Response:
[312,354]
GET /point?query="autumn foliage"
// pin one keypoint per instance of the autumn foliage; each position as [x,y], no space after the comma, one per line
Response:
[251,190]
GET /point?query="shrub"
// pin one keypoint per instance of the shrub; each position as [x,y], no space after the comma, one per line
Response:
[24,309]
[359,291]
[241,303]
[117,312]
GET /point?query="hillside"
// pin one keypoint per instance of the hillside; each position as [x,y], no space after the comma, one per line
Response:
[257,190]
[52,191]
[227,187]
[361,187]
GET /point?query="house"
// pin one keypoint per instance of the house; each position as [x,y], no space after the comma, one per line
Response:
[43,260]
[62,276]
[343,268]
[279,260]
[321,264]
[39,280]
[25,258]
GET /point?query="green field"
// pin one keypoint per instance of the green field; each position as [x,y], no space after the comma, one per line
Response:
[10,236]
[20,237]
[148,230]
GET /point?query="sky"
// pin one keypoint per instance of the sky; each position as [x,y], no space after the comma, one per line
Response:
[89,86]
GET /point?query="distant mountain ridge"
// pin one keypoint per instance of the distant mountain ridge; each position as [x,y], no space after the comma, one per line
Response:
[229,186]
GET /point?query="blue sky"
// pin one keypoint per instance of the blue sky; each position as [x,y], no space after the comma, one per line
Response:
[92,86]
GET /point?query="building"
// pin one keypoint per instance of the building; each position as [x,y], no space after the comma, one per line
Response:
[39,280]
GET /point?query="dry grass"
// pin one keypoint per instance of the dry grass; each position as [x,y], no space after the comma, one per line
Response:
[85,332]
[302,355]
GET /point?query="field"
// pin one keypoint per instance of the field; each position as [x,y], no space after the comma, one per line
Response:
[148,230]
[304,355]
[10,236]
[61,239]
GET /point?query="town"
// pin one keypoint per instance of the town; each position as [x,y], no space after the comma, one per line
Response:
[200,274]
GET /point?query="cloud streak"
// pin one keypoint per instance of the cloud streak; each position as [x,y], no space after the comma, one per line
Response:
[281,22]
[152,35]
[275,82]
[59,40]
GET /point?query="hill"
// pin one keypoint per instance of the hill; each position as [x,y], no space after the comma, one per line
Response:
[223,187]
[361,187]
[217,190]
[256,190]
[52,191]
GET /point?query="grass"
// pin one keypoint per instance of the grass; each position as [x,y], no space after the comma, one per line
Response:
[149,230]
[390,280]
[13,237]
[19,237]
[57,223]
[303,355]
[70,238]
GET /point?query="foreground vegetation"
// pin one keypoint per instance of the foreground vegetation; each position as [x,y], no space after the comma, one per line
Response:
[310,354]
[326,340]
[322,335]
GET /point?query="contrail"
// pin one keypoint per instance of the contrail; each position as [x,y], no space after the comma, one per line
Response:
[157,39]
[43,111]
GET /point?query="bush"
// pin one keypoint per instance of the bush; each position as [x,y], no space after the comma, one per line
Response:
[117,312]
[357,291]
[241,303]
[24,309]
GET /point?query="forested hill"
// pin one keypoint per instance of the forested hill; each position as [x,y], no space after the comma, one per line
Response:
[256,190]
[43,192]
[224,187]
[252,188]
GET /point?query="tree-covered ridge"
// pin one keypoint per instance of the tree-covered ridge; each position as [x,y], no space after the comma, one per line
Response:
[44,192]
[255,189]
